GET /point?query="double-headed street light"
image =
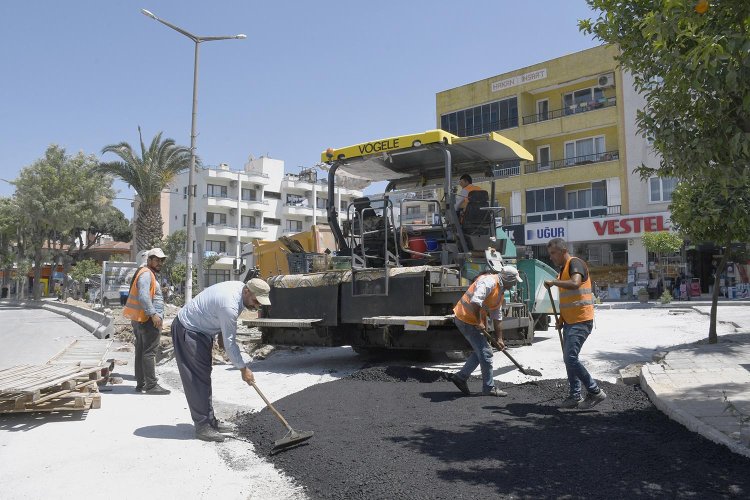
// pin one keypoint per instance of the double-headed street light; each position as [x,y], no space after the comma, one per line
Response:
[197,40]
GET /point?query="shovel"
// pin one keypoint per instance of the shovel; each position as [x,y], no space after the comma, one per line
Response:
[557,318]
[292,438]
[525,371]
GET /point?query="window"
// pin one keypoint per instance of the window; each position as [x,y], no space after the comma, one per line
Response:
[660,190]
[249,195]
[580,198]
[214,219]
[412,210]
[542,109]
[321,202]
[294,225]
[296,200]
[271,222]
[489,117]
[216,246]
[194,219]
[214,276]
[216,191]
[248,221]
[184,219]
[584,150]
[273,195]
[582,100]
[545,200]
[543,156]
[599,194]
[344,205]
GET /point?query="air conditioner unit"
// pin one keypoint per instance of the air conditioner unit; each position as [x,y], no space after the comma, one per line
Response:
[232,211]
[607,80]
[233,183]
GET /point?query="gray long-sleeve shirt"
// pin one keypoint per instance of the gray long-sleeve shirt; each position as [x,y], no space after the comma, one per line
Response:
[150,306]
[215,310]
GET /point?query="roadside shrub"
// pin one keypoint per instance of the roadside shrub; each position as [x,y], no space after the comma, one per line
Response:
[666,297]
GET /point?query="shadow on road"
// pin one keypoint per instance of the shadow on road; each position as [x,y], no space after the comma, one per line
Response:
[181,432]
[22,422]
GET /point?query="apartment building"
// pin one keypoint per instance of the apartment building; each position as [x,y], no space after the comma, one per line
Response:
[576,115]
[259,202]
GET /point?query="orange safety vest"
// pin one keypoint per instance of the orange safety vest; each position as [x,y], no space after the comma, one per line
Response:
[469,189]
[133,308]
[576,306]
[492,302]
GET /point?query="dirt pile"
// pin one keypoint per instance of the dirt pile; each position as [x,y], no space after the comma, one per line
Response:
[391,434]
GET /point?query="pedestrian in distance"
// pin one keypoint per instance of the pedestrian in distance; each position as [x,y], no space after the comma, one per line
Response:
[213,311]
[484,297]
[145,309]
[577,318]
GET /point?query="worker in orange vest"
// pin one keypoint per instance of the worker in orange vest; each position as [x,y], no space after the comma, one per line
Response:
[577,317]
[485,297]
[462,198]
[145,309]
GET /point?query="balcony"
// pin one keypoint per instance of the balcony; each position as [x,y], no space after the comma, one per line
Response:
[253,231]
[581,213]
[504,172]
[574,161]
[220,230]
[220,201]
[254,204]
[574,109]
[297,209]
[255,176]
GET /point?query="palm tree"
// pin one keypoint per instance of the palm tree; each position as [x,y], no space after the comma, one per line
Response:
[148,174]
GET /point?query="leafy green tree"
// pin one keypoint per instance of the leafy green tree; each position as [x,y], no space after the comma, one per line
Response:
[148,173]
[208,262]
[691,61]
[705,212]
[174,248]
[54,195]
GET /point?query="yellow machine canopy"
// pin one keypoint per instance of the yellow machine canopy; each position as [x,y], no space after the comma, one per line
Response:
[421,157]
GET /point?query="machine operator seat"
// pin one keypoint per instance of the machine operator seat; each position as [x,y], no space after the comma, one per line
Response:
[474,220]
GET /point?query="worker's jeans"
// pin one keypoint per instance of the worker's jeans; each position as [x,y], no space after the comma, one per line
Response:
[481,356]
[573,338]
[146,344]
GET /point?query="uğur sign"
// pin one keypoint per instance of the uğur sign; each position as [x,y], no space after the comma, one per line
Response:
[610,228]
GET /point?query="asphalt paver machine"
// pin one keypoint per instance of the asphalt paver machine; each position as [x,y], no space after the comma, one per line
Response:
[397,273]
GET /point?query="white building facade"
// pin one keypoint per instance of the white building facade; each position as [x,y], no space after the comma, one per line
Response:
[260,202]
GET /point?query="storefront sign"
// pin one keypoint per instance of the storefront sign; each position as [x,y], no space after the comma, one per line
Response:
[610,228]
[540,74]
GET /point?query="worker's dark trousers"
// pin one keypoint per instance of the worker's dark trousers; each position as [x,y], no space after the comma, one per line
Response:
[146,345]
[192,351]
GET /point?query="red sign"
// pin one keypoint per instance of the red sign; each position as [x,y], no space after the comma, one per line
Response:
[631,225]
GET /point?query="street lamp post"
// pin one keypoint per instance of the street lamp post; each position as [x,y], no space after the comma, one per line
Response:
[190,195]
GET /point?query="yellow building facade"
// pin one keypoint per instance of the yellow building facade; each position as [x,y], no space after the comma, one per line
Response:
[577,115]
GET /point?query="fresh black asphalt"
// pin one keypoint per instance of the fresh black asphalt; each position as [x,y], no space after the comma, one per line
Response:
[396,432]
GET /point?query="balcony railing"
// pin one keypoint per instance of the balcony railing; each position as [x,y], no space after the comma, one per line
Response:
[516,219]
[218,196]
[574,161]
[574,213]
[255,200]
[253,228]
[503,172]
[574,109]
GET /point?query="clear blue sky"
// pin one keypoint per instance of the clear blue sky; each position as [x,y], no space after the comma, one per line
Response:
[84,74]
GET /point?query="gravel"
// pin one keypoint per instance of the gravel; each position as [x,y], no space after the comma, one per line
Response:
[398,432]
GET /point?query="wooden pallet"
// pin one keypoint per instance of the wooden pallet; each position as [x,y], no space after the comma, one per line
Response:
[83,352]
[28,388]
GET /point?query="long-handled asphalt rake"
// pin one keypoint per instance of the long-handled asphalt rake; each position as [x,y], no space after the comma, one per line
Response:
[525,371]
[292,438]
[557,318]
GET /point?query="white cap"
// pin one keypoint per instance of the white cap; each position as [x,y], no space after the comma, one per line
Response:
[261,290]
[509,274]
[155,252]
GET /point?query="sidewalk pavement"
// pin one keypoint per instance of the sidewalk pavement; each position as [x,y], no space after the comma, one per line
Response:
[705,387]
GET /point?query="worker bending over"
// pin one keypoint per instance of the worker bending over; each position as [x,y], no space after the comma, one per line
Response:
[485,295]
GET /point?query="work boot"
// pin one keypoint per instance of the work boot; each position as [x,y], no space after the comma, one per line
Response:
[571,402]
[157,390]
[221,426]
[460,383]
[206,432]
[495,392]
[592,399]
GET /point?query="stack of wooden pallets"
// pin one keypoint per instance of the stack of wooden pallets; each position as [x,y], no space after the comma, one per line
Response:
[67,382]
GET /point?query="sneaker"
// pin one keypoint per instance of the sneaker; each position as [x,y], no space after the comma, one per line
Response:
[138,388]
[206,432]
[593,399]
[495,392]
[571,402]
[221,426]
[461,384]
[157,390]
